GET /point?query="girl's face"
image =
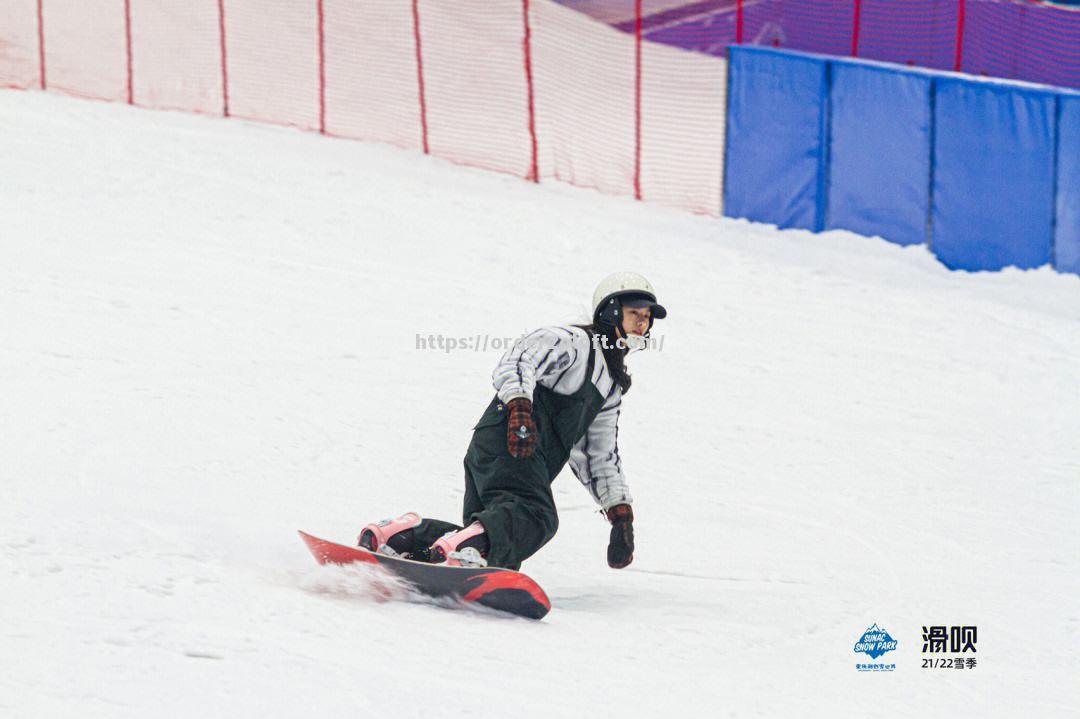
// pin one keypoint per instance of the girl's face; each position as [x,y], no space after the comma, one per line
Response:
[635,320]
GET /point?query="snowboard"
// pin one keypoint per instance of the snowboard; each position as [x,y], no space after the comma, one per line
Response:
[501,589]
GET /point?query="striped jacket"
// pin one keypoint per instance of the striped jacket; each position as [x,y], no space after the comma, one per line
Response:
[556,357]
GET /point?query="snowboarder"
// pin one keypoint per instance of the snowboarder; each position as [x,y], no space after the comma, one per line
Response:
[558,397]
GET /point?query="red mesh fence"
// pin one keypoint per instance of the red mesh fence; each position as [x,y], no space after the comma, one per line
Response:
[475,86]
[19,61]
[813,25]
[584,77]
[522,86]
[1019,39]
[86,48]
[273,61]
[682,120]
[163,31]
[918,32]
[630,101]
[1024,40]
[371,89]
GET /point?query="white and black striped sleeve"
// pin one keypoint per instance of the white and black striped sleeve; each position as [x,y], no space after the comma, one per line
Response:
[595,458]
[532,357]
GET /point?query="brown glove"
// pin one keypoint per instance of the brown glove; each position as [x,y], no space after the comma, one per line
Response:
[521,434]
[620,549]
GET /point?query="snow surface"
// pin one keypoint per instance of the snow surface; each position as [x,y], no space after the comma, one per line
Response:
[209,340]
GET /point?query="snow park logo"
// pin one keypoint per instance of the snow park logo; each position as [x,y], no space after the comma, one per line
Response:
[874,643]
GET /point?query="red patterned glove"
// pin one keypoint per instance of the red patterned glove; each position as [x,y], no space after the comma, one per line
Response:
[521,434]
[620,549]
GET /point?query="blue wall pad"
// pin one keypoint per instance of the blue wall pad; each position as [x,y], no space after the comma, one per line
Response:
[1067,232]
[993,190]
[879,152]
[776,104]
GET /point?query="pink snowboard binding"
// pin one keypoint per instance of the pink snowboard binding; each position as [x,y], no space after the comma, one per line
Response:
[461,548]
[381,537]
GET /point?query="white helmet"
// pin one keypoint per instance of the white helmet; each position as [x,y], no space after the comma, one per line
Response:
[624,288]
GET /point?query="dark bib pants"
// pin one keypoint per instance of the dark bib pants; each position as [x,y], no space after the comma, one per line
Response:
[512,497]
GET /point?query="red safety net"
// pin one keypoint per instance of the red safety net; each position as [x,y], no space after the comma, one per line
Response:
[683,97]
[1024,40]
[371,79]
[814,25]
[917,32]
[1019,39]
[272,61]
[584,77]
[86,48]
[163,32]
[476,91]
[19,51]
[629,101]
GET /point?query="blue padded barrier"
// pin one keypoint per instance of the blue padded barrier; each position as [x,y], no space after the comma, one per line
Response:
[775,138]
[993,188]
[879,151]
[1067,230]
[820,143]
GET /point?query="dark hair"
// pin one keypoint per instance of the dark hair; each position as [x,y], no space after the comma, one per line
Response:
[614,355]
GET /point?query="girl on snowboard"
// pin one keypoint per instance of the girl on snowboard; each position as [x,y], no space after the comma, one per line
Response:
[558,393]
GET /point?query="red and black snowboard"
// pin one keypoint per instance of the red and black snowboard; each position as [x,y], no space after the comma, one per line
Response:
[502,589]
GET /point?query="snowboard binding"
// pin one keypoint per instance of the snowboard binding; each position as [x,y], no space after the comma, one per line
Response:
[463,548]
[392,537]
[397,538]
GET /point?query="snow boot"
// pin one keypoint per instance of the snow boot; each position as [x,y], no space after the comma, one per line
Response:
[464,548]
[392,537]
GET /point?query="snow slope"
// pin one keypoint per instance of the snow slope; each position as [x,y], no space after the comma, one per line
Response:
[208,339]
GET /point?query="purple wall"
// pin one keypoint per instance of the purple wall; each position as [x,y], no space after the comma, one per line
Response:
[1019,39]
